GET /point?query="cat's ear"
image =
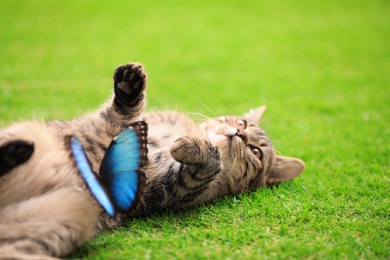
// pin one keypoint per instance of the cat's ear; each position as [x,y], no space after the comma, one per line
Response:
[254,115]
[284,169]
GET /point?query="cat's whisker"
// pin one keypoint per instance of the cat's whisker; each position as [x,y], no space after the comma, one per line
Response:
[284,148]
[263,120]
[211,111]
[237,169]
[200,117]
[274,149]
[242,178]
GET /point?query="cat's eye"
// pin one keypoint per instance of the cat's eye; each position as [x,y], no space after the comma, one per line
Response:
[257,152]
[241,124]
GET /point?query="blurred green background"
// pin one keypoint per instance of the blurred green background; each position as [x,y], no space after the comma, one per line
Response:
[321,67]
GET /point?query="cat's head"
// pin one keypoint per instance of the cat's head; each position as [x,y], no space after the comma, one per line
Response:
[249,157]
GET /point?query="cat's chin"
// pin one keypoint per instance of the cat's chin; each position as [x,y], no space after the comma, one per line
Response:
[237,147]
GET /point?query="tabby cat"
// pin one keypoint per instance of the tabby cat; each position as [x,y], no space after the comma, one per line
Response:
[46,210]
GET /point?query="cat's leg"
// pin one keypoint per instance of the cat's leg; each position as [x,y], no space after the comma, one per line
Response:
[13,154]
[96,130]
[185,181]
[129,100]
[52,224]
[200,164]
[195,150]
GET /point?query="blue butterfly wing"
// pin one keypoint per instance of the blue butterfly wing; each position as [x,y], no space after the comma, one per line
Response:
[120,168]
[89,177]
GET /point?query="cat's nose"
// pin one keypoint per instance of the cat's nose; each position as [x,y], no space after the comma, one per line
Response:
[242,134]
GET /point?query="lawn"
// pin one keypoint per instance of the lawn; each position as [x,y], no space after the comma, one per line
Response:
[321,67]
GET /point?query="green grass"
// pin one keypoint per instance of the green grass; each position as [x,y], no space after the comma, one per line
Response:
[321,67]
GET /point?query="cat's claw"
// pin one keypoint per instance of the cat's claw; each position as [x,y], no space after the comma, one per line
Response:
[129,83]
[13,154]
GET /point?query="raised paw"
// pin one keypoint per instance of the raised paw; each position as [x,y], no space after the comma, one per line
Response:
[129,84]
[13,154]
[193,150]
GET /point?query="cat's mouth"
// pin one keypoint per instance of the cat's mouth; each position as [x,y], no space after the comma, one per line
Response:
[242,134]
[231,140]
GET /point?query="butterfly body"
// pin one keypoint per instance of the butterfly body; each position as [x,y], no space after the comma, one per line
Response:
[121,180]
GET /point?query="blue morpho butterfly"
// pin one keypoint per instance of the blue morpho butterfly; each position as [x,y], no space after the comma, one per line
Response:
[121,180]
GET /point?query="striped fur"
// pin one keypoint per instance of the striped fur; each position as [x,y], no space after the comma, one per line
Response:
[45,210]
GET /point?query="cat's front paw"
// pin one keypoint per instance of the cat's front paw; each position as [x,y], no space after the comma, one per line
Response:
[129,84]
[13,154]
[193,150]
